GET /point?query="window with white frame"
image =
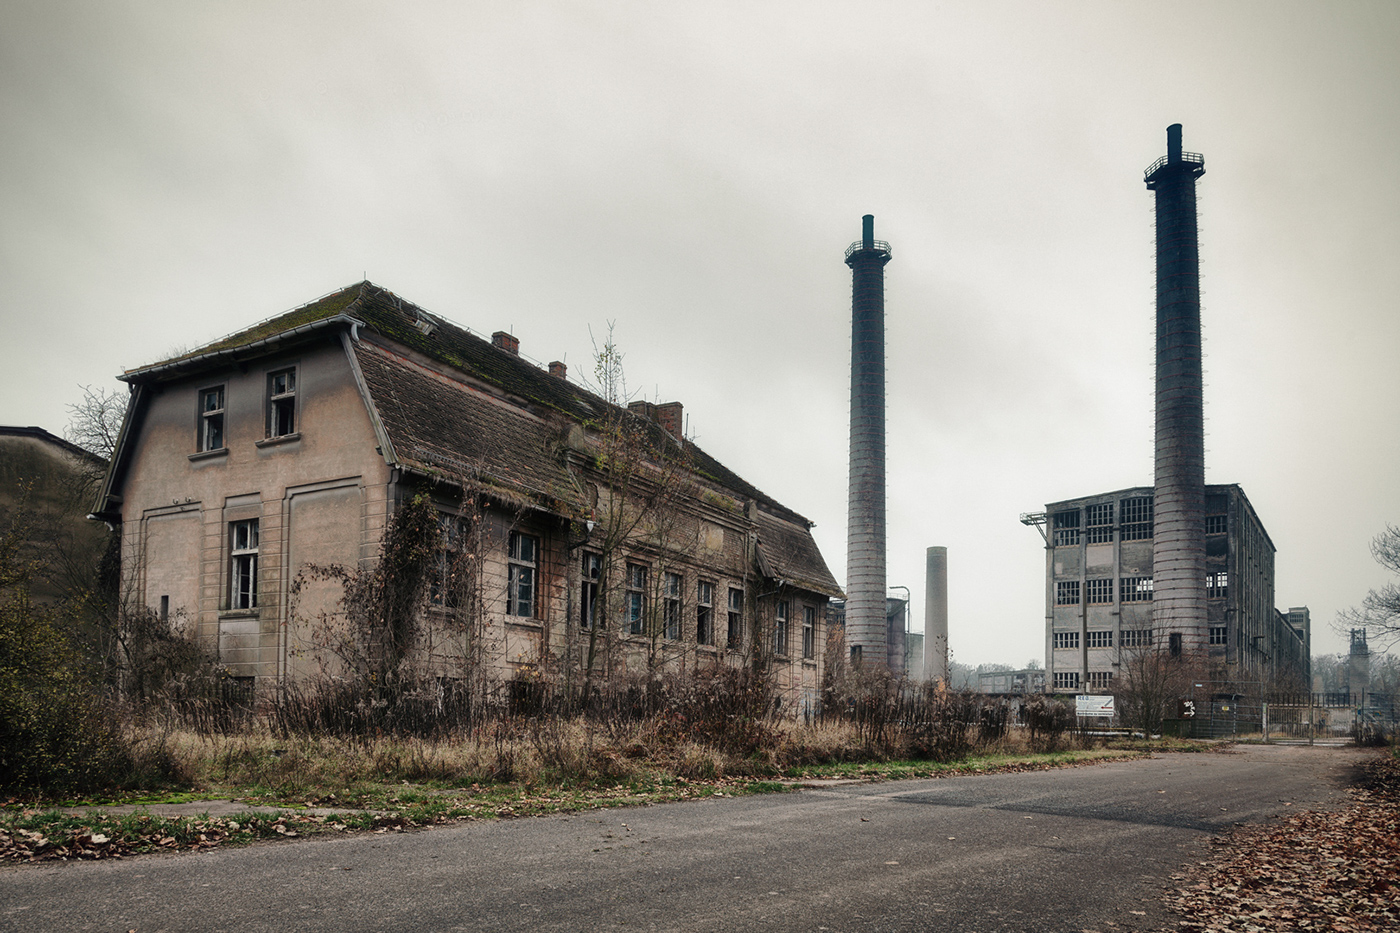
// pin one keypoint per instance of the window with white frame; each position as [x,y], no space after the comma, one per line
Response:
[1136,638]
[1135,518]
[1066,528]
[736,619]
[1099,591]
[1102,639]
[282,402]
[1066,680]
[673,583]
[444,587]
[1099,523]
[1066,640]
[704,613]
[243,564]
[211,418]
[636,607]
[1135,589]
[780,628]
[1217,635]
[592,574]
[1067,593]
[1217,585]
[809,633]
[523,555]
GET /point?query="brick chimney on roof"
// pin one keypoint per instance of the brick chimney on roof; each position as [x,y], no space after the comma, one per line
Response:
[669,416]
[558,370]
[506,342]
[642,409]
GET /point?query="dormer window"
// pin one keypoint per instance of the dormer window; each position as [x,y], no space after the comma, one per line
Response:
[211,418]
[282,403]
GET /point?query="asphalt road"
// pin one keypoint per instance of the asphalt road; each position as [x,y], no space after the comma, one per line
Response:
[1068,850]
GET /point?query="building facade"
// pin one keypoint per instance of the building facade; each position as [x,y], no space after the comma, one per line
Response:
[1099,593]
[576,539]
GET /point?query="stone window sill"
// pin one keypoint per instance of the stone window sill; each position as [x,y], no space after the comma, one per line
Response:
[209,454]
[275,441]
[238,614]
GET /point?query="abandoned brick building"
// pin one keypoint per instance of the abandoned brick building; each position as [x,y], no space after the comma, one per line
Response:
[1098,592]
[290,445]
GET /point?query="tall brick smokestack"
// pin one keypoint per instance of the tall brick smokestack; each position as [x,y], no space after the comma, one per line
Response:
[866,626]
[1178,529]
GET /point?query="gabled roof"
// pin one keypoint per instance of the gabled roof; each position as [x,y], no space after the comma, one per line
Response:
[484,412]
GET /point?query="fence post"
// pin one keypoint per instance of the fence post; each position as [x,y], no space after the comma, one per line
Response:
[1264,705]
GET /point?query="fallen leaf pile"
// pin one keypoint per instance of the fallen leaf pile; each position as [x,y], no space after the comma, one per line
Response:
[108,837]
[1335,870]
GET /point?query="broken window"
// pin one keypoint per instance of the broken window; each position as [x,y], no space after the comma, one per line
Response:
[636,599]
[243,564]
[1217,585]
[1066,680]
[736,618]
[592,573]
[1066,639]
[672,629]
[1135,589]
[1099,591]
[809,632]
[1135,517]
[1067,593]
[1100,680]
[1100,639]
[211,418]
[780,629]
[282,403]
[704,613]
[1066,528]
[1099,523]
[523,552]
[444,587]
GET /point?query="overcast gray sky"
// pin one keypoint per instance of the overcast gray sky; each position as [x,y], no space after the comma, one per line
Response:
[172,171]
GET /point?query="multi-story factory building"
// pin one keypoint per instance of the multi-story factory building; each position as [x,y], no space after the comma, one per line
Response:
[1099,589]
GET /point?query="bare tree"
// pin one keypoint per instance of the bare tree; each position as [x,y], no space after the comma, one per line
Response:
[1150,683]
[1379,612]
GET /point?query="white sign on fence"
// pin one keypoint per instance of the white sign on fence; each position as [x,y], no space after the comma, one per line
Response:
[1094,705]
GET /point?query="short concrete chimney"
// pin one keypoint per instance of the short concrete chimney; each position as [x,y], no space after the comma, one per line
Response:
[558,370]
[670,416]
[506,342]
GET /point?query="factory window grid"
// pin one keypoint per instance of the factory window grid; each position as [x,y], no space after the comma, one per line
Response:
[282,403]
[704,613]
[1135,517]
[592,573]
[522,553]
[735,634]
[1216,524]
[1067,593]
[1100,680]
[1099,523]
[1136,638]
[1066,680]
[673,584]
[1217,585]
[211,419]
[1135,589]
[1102,639]
[809,633]
[1099,591]
[1066,528]
[1066,640]
[636,604]
[780,628]
[243,564]
[1218,635]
